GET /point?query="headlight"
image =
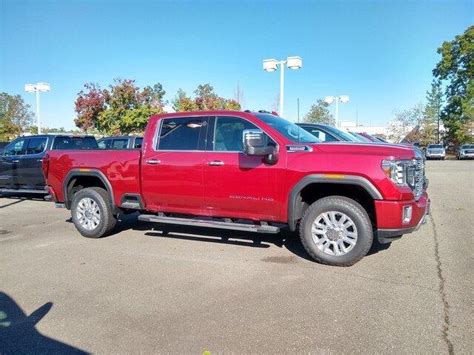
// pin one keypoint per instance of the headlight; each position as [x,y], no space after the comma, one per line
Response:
[401,172]
[395,170]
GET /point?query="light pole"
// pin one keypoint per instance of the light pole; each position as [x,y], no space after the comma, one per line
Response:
[37,88]
[342,98]
[270,65]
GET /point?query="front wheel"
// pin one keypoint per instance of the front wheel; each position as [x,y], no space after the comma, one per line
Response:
[91,212]
[337,231]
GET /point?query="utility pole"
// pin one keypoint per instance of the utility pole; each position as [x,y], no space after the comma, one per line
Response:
[437,112]
[298,108]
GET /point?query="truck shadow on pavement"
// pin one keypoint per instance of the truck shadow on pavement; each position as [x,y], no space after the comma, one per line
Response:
[18,334]
[284,239]
[18,198]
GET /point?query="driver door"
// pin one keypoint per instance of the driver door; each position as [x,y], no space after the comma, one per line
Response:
[238,185]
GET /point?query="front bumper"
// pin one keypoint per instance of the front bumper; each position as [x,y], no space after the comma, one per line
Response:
[389,218]
[466,156]
[435,155]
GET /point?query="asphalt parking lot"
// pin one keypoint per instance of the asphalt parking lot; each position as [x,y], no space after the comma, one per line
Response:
[191,290]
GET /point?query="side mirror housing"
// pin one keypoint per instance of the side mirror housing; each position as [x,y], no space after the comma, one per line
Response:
[255,143]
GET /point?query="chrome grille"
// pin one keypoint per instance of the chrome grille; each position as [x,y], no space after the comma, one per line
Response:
[416,174]
[419,181]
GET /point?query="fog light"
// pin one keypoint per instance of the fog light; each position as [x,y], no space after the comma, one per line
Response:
[407,212]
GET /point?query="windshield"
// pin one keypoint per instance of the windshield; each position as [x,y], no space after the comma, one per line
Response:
[435,146]
[288,129]
[360,137]
[468,146]
[344,135]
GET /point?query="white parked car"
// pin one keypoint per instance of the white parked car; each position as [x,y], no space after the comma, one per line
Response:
[435,151]
[466,151]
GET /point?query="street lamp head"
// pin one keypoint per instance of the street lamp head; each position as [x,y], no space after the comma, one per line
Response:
[44,87]
[270,65]
[329,99]
[30,88]
[294,62]
[344,98]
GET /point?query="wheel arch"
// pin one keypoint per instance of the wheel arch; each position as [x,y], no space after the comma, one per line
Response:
[344,185]
[91,177]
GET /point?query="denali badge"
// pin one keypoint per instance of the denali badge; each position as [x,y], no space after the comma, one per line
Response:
[298,148]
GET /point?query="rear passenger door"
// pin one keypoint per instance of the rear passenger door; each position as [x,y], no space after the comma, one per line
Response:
[30,163]
[172,170]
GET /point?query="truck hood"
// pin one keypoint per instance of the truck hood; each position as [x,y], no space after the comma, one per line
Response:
[384,150]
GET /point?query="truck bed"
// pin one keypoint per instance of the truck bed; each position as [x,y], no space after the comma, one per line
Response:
[121,167]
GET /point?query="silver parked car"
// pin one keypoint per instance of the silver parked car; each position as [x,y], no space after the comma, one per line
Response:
[465,151]
[435,151]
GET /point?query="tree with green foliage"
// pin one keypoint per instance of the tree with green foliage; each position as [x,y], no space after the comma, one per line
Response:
[434,105]
[182,102]
[456,70]
[319,113]
[15,116]
[121,109]
[205,99]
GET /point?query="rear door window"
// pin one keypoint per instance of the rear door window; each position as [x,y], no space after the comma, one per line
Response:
[104,143]
[36,145]
[121,143]
[182,133]
[138,143]
[88,143]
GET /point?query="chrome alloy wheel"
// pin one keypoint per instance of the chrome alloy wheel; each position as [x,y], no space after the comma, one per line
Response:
[334,233]
[88,213]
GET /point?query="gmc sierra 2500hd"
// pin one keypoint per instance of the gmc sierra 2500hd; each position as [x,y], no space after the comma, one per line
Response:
[250,171]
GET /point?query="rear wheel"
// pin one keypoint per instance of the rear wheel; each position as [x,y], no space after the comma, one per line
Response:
[91,211]
[336,230]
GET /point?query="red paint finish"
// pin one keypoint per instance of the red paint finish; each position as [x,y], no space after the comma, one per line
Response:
[389,213]
[255,191]
[239,186]
[122,169]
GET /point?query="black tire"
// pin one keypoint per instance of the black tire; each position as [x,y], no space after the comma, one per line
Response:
[107,219]
[354,211]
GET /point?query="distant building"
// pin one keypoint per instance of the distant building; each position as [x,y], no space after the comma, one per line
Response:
[374,130]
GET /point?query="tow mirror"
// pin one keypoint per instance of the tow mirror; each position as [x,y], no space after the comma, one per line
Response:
[255,143]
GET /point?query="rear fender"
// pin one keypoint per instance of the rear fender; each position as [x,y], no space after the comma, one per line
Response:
[75,173]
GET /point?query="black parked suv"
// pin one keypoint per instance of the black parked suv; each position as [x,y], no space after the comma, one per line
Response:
[328,133]
[20,161]
[120,142]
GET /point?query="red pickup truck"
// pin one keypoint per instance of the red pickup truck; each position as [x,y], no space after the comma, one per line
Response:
[250,171]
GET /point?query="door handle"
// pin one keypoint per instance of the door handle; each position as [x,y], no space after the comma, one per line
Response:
[216,163]
[153,161]
[15,161]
